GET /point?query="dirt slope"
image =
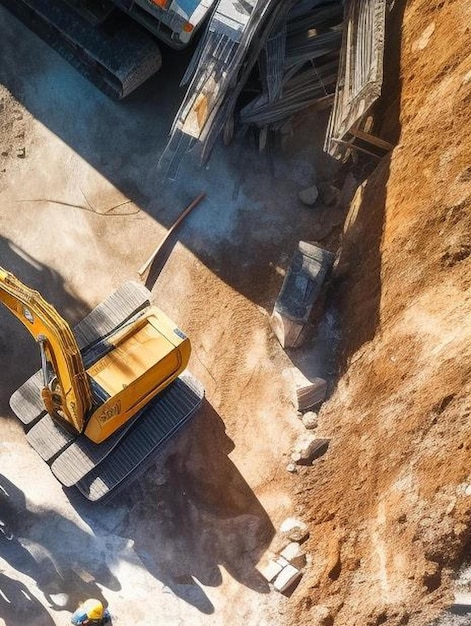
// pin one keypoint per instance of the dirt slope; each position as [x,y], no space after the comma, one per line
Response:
[389,505]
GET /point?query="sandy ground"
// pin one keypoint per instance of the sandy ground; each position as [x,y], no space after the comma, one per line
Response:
[82,206]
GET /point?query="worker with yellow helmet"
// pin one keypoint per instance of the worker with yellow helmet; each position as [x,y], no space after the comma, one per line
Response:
[91,613]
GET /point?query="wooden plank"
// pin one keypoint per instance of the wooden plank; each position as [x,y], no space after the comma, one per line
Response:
[376,141]
[350,144]
[143,269]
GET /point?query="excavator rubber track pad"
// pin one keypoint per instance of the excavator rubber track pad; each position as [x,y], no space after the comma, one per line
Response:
[94,12]
[119,307]
[48,438]
[26,401]
[166,415]
[76,455]
[117,59]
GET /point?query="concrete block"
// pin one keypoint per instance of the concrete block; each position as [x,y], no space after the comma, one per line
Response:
[308,447]
[294,554]
[282,561]
[294,530]
[270,570]
[311,394]
[287,578]
[300,291]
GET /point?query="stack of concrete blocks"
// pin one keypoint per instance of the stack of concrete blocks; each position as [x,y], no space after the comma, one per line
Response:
[284,568]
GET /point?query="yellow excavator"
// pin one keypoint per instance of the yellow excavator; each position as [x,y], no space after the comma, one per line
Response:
[108,395]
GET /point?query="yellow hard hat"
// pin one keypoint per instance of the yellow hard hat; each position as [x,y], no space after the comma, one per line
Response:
[94,608]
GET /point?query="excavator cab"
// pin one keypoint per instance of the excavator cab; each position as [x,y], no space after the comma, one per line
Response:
[143,358]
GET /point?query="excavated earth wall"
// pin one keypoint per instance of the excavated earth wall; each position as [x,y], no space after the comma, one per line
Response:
[389,504]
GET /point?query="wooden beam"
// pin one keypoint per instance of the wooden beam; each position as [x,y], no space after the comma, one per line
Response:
[376,141]
[143,269]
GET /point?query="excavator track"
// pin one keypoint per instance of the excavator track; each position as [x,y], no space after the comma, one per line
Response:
[116,59]
[160,421]
[99,470]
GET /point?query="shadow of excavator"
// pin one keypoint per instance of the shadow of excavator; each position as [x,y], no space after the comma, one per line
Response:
[191,514]
[205,514]
[62,559]
[18,605]
[15,341]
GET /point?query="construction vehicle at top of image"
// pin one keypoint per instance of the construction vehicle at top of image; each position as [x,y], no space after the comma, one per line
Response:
[108,394]
[114,43]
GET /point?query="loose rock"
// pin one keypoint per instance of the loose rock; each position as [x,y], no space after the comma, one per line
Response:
[310,420]
[329,194]
[294,530]
[294,554]
[350,185]
[321,616]
[309,196]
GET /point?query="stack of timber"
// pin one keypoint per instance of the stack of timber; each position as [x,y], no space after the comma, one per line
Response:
[211,76]
[298,65]
[359,83]
[291,47]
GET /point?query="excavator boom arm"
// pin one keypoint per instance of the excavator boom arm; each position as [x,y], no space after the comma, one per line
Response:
[71,398]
